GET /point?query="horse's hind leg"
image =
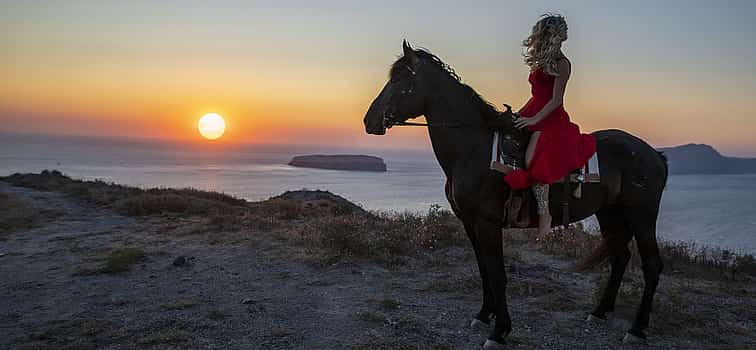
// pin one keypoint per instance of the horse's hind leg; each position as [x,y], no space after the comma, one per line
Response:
[645,238]
[614,231]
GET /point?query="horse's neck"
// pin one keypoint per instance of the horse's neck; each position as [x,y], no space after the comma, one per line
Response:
[453,145]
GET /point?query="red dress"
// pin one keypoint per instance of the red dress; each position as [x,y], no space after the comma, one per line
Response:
[561,148]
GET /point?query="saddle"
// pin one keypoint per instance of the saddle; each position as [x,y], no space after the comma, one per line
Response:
[508,151]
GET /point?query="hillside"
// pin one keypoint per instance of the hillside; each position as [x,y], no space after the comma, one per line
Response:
[92,265]
[704,159]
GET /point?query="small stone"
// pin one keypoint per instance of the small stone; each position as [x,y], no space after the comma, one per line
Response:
[180,262]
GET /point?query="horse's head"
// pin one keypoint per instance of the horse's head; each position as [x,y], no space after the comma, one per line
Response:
[403,97]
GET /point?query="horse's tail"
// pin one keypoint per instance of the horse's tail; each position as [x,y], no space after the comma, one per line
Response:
[596,257]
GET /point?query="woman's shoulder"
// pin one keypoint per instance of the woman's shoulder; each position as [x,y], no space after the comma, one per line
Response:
[563,66]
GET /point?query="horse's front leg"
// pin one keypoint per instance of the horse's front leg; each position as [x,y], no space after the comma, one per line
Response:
[488,234]
[483,318]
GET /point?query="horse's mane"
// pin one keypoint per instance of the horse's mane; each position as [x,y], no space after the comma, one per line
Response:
[486,108]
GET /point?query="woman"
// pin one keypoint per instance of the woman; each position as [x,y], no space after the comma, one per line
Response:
[556,147]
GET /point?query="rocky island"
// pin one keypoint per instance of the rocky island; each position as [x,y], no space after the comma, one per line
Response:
[340,162]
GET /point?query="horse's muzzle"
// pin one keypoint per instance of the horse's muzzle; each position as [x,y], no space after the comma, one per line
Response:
[378,131]
[376,128]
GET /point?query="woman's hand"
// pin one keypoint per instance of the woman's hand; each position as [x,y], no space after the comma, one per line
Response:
[524,122]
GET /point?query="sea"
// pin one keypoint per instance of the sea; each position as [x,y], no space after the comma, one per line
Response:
[706,210]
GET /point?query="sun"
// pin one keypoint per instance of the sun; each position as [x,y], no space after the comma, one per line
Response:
[211,126]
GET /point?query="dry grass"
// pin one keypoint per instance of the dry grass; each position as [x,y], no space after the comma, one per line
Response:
[57,334]
[283,209]
[131,200]
[703,310]
[335,228]
[371,316]
[217,212]
[390,304]
[687,258]
[216,314]
[695,259]
[455,284]
[385,237]
[16,214]
[121,260]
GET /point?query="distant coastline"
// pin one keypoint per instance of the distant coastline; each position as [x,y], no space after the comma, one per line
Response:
[340,162]
[704,159]
[688,159]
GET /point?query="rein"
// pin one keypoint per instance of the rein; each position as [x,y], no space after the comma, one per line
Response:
[388,122]
[434,125]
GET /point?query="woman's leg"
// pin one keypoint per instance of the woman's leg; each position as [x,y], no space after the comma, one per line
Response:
[506,168]
[530,151]
[541,192]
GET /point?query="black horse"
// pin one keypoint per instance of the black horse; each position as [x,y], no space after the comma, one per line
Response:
[626,202]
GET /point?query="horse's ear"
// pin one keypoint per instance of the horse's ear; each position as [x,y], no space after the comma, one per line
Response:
[409,52]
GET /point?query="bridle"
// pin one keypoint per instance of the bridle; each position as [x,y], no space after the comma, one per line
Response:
[389,117]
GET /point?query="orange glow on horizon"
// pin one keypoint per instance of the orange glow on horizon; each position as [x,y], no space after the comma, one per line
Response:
[318,104]
[149,69]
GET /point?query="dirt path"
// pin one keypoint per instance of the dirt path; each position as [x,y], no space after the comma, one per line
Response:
[247,290]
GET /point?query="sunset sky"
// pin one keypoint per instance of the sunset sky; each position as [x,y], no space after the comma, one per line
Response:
[305,72]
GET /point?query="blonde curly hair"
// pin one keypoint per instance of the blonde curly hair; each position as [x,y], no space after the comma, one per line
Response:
[543,47]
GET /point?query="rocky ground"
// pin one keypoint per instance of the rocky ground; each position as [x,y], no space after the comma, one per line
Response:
[85,277]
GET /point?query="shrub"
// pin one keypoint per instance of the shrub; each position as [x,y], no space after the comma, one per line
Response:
[283,208]
[121,260]
[386,237]
[16,214]
[678,257]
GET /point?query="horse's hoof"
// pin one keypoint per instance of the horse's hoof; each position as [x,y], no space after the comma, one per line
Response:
[594,319]
[607,319]
[493,345]
[478,324]
[633,339]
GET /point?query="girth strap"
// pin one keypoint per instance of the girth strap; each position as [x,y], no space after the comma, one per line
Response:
[566,202]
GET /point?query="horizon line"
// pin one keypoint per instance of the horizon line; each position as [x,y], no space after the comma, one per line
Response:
[216,144]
